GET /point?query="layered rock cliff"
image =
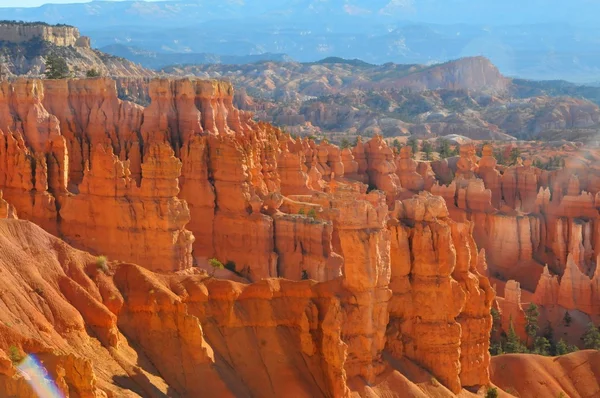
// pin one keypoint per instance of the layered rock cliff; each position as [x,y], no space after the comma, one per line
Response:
[538,227]
[60,35]
[27,45]
[189,179]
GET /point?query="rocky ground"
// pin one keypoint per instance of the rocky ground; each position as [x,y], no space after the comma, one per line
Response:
[470,97]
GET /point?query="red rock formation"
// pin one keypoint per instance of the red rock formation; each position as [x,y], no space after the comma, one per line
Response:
[113,217]
[313,339]
[406,169]
[490,176]
[439,312]
[143,182]
[467,164]
[381,168]
[6,209]
[511,310]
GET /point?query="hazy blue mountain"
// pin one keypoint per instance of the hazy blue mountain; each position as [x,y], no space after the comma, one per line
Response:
[542,39]
[158,60]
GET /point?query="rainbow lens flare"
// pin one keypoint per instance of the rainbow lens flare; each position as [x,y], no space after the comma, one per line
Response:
[37,377]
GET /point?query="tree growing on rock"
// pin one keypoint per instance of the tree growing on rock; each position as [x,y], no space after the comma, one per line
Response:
[541,346]
[344,143]
[216,265]
[531,322]
[591,338]
[427,148]
[414,145]
[444,149]
[56,67]
[567,319]
[499,155]
[397,145]
[495,342]
[515,154]
[513,344]
[491,392]
[563,348]
[91,73]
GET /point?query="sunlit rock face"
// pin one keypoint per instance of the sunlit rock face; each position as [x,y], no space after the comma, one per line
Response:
[191,178]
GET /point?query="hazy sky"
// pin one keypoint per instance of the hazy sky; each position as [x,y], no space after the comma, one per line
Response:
[35,3]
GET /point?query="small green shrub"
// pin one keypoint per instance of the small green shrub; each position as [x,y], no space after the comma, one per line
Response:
[312,214]
[301,211]
[591,338]
[215,264]
[14,354]
[491,392]
[92,73]
[102,263]
[567,319]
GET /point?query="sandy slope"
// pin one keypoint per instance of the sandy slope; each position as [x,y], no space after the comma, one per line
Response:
[532,376]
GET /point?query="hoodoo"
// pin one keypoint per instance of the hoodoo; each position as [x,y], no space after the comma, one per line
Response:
[191,178]
[340,274]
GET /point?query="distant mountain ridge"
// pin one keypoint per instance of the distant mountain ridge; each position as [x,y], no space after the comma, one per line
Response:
[339,98]
[158,60]
[515,35]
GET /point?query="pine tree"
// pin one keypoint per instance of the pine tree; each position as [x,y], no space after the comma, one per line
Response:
[499,155]
[344,143]
[515,154]
[541,346]
[496,320]
[444,149]
[427,148]
[397,145]
[591,338]
[56,67]
[531,322]
[513,344]
[567,319]
[414,145]
[561,348]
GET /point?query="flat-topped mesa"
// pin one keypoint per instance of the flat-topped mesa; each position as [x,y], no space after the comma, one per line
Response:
[59,35]
[440,309]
